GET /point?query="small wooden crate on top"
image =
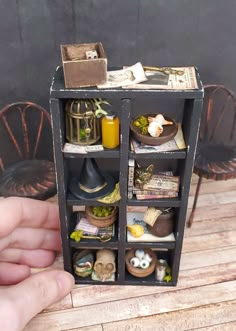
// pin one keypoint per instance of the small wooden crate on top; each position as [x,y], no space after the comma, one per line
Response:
[80,71]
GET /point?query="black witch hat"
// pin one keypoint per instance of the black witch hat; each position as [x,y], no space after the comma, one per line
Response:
[92,183]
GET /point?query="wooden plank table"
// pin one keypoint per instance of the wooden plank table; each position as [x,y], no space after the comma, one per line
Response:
[204,299]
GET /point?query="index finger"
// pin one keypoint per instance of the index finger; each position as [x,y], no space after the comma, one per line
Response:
[15,212]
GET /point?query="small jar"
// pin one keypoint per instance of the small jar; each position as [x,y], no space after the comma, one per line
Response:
[110,131]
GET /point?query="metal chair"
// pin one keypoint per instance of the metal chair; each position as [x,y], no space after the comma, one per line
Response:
[216,150]
[26,155]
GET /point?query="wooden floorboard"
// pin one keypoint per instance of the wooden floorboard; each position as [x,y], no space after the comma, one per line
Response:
[89,328]
[209,241]
[189,319]
[204,299]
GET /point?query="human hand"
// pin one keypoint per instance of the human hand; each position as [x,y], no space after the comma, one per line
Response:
[29,237]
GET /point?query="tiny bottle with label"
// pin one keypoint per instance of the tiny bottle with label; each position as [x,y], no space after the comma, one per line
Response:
[110,131]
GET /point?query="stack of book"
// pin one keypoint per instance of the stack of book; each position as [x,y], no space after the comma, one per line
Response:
[159,186]
[89,229]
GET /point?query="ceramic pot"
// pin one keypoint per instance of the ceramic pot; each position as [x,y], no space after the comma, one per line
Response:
[164,224]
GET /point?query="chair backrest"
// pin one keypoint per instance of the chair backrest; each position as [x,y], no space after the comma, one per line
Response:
[218,122]
[25,133]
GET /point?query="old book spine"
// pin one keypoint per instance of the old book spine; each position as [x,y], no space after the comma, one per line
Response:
[152,192]
[155,196]
[131,166]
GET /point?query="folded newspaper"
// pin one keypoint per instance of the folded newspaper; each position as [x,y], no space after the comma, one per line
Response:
[73,148]
[174,78]
[124,77]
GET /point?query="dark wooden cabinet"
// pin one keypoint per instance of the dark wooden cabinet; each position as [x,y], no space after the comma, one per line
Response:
[184,106]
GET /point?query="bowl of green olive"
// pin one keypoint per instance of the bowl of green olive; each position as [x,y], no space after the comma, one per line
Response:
[101,216]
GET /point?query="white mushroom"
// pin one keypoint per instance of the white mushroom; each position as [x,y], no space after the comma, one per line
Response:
[155,129]
[159,119]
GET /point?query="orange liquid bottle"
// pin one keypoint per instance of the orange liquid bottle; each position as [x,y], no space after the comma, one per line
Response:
[110,131]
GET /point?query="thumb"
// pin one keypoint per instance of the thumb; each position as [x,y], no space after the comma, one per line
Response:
[37,292]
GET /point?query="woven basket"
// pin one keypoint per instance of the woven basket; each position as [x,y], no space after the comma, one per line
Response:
[139,272]
[100,222]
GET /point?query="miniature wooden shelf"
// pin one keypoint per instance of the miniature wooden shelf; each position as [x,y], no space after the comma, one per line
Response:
[180,160]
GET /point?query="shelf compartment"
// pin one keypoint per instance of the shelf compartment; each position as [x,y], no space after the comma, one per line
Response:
[174,155]
[164,254]
[161,235]
[111,230]
[106,265]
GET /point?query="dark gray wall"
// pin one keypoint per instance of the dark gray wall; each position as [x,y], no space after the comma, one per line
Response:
[155,32]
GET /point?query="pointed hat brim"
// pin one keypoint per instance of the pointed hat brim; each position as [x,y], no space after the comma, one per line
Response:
[80,193]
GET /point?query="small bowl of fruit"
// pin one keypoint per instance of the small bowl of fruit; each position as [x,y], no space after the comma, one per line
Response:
[101,216]
[152,129]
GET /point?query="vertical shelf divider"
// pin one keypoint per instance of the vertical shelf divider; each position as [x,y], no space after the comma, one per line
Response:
[191,123]
[124,152]
[57,114]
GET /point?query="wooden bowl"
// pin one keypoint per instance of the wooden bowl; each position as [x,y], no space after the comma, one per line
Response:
[100,222]
[169,131]
[139,272]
